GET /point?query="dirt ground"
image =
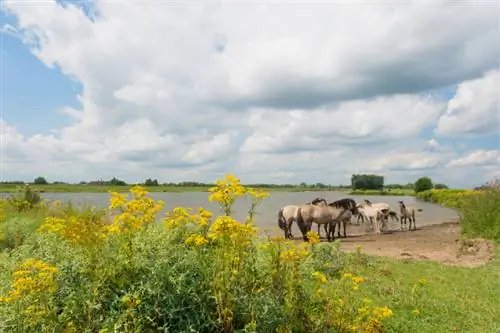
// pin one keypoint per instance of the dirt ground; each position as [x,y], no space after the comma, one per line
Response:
[434,242]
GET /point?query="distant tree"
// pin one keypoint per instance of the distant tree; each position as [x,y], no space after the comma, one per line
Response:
[40,181]
[367,182]
[423,184]
[151,182]
[440,186]
[115,181]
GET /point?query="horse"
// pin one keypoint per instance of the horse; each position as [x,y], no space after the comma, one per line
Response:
[381,205]
[377,216]
[326,215]
[408,213]
[347,216]
[288,214]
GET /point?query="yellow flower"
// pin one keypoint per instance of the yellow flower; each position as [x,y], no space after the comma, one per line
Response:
[347,275]
[320,277]
[415,312]
[313,237]
[32,277]
[358,279]
[131,301]
[196,240]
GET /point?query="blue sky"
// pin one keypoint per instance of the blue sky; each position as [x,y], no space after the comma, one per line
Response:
[191,108]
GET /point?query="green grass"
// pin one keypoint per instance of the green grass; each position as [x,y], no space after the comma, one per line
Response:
[395,192]
[77,188]
[456,299]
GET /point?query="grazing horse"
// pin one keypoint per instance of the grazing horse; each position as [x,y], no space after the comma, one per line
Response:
[326,215]
[408,213]
[288,214]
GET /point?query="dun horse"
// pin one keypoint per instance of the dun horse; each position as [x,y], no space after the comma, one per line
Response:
[325,215]
[288,214]
[407,213]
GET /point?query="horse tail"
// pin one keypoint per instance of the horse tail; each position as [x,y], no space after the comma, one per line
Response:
[281,219]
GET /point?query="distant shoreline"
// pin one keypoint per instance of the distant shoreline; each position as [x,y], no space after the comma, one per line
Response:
[77,188]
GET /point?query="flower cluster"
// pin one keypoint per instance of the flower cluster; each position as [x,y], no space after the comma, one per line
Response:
[182,216]
[226,191]
[31,278]
[369,318]
[225,227]
[134,213]
[76,229]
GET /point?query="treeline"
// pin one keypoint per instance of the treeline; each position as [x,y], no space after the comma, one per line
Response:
[358,182]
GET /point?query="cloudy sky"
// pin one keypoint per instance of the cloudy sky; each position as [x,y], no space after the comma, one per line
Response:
[284,92]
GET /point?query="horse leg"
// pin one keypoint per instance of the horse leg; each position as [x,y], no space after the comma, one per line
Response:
[414,225]
[325,226]
[332,231]
[345,225]
[288,230]
[319,229]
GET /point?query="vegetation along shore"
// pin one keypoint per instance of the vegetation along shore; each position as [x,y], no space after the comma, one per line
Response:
[81,269]
[360,185]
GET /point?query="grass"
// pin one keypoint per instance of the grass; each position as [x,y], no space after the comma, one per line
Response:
[77,188]
[393,192]
[455,299]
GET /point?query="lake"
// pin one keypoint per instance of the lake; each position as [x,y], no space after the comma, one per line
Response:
[267,211]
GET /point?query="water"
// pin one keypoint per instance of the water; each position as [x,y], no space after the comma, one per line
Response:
[266,216]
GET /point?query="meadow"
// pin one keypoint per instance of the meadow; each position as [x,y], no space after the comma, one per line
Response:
[65,268]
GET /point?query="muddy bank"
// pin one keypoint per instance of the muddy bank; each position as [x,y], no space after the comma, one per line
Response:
[437,242]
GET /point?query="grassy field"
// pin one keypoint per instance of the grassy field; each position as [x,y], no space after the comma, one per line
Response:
[77,188]
[69,269]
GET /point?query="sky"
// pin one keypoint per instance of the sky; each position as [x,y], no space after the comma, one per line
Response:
[273,92]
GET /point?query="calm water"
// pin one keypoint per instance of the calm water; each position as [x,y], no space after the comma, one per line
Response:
[266,216]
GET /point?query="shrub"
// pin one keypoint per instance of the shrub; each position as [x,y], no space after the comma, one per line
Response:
[479,209]
[423,184]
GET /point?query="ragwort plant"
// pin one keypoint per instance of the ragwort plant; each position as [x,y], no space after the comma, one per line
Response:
[192,272]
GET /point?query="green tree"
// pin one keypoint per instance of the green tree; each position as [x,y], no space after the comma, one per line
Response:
[151,182]
[440,186]
[367,182]
[423,184]
[40,181]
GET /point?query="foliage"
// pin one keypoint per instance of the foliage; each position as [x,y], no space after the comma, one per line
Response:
[151,182]
[40,181]
[85,270]
[367,182]
[440,186]
[396,192]
[423,184]
[24,198]
[479,209]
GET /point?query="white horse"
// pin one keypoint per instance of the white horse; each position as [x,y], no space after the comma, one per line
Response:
[288,214]
[377,216]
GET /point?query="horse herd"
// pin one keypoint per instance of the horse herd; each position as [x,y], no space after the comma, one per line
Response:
[339,213]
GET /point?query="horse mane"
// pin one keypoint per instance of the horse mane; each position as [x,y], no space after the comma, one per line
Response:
[346,203]
[317,200]
[402,204]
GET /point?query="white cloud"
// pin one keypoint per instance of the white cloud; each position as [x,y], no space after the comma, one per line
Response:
[478,157]
[284,94]
[475,108]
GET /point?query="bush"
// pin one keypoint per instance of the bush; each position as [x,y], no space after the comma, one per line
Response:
[479,209]
[423,184]
[480,215]
[81,272]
